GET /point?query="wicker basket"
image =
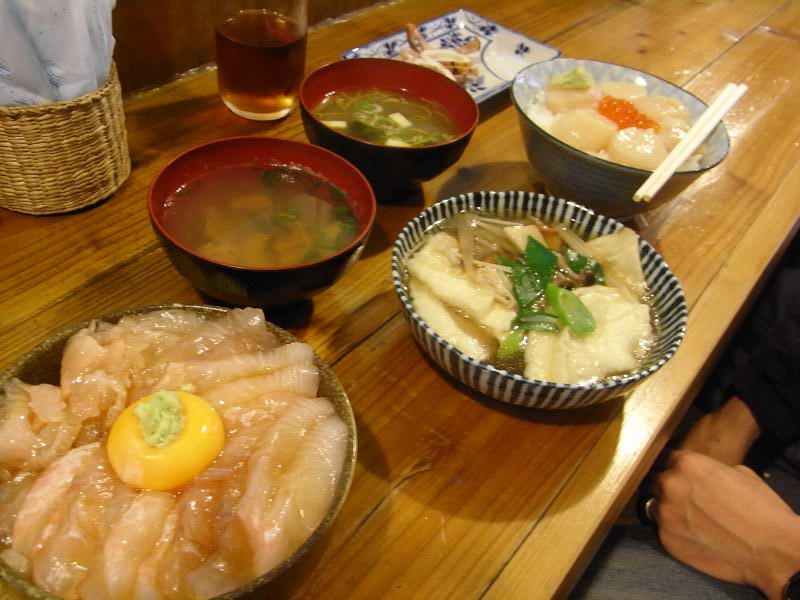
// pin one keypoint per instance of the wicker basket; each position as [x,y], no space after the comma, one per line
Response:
[60,157]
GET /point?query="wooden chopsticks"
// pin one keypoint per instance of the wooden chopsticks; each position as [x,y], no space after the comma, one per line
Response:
[729,95]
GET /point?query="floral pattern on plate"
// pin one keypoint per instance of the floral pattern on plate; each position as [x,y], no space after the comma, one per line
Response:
[502,55]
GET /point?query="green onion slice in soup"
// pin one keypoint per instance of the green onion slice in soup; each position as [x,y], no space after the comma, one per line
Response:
[570,309]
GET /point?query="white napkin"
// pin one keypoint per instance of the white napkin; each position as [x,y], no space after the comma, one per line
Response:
[53,50]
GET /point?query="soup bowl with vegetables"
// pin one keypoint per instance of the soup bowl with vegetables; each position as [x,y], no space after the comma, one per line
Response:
[535,300]
[399,123]
[595,131]
[256,221]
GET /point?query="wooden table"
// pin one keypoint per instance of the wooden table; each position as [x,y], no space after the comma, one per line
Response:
[456,495]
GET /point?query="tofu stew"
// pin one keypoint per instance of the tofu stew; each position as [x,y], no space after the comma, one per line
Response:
[535,299]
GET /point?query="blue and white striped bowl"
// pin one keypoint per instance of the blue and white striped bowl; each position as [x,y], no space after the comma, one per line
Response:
[670,303]
[602,185]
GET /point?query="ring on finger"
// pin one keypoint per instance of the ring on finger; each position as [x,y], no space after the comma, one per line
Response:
[648,509]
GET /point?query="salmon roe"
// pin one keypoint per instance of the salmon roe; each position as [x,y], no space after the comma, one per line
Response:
[625,114]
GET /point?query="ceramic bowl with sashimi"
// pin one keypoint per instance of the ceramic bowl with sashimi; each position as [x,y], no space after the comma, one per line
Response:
[595,131]
[536,301]
[171,451]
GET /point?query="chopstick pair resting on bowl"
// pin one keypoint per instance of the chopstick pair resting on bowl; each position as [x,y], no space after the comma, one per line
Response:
[729,95]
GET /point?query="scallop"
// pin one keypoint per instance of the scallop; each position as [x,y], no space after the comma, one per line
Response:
[562,100]
[672,131]
[640,148]
[584,129]
[625,90]
[661,108]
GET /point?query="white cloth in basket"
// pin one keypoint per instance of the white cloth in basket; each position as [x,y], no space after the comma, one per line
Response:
[53,50]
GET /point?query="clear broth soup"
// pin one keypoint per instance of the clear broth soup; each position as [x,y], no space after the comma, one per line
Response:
[261,216]
[385,117]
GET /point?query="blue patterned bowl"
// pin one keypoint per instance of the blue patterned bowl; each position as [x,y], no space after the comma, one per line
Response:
[669,302]
[600,184]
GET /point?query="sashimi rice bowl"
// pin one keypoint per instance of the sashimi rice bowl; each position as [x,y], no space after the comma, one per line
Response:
[595,131]
[168,452]
[536,301]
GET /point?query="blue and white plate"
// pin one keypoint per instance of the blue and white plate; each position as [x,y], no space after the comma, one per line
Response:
[502,55]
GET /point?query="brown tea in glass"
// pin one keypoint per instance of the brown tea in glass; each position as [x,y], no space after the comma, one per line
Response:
[260,62]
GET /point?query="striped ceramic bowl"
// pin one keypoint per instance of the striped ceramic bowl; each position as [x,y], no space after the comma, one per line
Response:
[669,302]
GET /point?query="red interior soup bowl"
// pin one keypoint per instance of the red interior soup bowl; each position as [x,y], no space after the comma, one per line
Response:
[401,88]
[258,221]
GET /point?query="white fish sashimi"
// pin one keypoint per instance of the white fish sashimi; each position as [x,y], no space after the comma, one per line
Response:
[257,409]
[214,522]
[46,402]
[175,334]
[214,578]
[12,495]
[20,442]
[263,471]
[45,495]
[198,507]
[63,562]
[234,455]
[56,439]
[228,566]
[93,586]
[146,586]
[183,557]
[15,560]
[208,373]
[82,354]
[132,538]
[97,393]
[301,379]
[310,480]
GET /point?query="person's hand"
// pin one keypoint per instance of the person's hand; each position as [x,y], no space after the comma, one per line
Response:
[726,522]
[725,434]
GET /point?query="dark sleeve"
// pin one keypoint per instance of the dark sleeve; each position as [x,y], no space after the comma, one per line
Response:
[766,373]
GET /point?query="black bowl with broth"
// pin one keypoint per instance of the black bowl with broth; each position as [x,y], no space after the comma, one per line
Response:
[254,221]
[393,171]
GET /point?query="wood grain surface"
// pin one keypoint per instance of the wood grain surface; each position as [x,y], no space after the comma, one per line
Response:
[455,495]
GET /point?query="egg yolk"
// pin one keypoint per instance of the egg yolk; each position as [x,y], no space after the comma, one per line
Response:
[182,456]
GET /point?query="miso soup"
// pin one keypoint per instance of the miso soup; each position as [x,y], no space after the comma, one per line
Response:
[385,117]
[261,216]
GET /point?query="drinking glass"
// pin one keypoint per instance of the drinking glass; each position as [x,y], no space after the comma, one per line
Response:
[261,54]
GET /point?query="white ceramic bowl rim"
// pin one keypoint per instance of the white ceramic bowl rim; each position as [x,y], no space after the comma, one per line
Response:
[570,63]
